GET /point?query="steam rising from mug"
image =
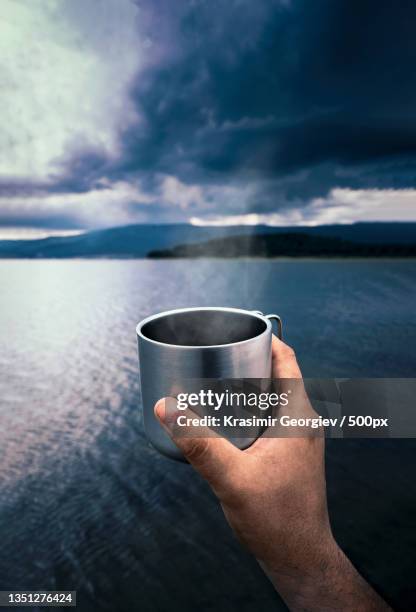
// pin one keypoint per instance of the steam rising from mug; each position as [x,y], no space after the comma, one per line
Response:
[198,343]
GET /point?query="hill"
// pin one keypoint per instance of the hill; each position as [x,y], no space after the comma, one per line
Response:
[138,240]
[288,245]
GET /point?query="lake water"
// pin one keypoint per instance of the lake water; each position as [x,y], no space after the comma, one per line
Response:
[85,504]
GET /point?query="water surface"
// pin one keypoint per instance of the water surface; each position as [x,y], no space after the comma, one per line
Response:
[86,504]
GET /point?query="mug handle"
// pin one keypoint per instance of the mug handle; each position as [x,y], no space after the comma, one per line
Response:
[276,318]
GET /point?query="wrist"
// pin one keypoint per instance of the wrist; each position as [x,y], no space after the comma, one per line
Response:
[303,577]
[329,584]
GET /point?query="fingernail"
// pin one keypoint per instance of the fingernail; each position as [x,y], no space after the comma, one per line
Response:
[166,413]
[160,411]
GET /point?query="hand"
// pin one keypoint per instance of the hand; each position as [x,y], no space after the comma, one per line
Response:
[273,495]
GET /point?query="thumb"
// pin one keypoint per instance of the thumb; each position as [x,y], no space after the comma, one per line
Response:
[211,455]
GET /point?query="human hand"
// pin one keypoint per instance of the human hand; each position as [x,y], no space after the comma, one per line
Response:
[273,495]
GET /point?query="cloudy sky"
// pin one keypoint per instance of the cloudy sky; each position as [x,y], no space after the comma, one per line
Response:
[208,111]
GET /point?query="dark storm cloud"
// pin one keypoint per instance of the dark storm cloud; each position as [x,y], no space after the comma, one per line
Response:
[44,220]
[254,105]
[269,88]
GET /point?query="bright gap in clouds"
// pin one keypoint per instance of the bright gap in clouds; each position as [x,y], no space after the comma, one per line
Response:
[123,203]
[66,71]
[341,206]
[33,233]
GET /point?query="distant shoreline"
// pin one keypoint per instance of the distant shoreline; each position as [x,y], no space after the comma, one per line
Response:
[184,241]
[286,258]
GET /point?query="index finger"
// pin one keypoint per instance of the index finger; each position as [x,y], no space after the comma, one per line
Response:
[211,454]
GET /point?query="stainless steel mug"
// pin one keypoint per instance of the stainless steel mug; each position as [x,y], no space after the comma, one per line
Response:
[198,343]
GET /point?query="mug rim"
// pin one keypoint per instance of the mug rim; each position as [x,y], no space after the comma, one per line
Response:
[159,315]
